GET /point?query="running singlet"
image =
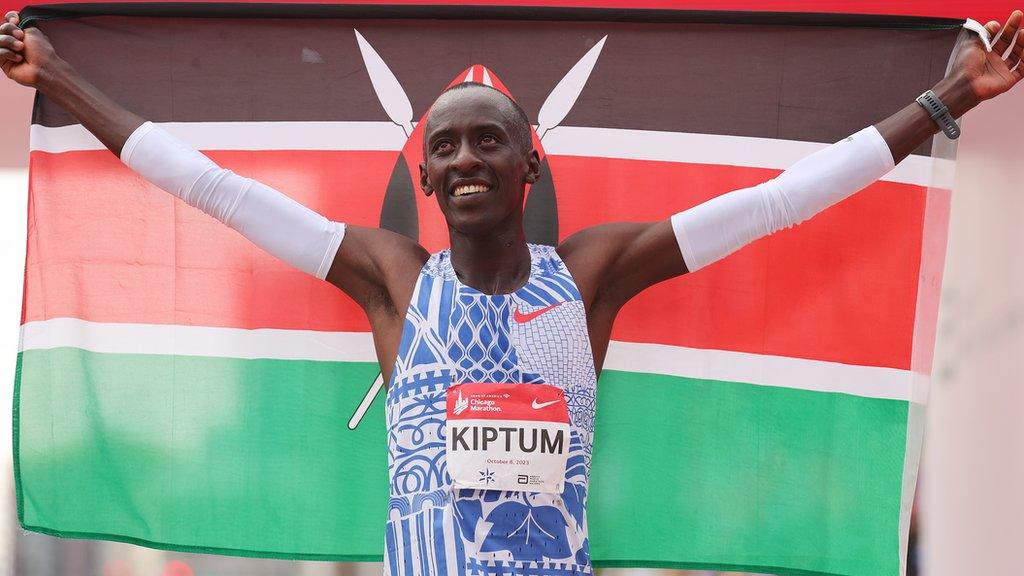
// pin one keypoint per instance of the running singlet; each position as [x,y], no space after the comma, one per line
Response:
[454,334]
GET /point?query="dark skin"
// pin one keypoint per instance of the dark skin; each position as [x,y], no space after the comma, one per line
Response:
[468,142]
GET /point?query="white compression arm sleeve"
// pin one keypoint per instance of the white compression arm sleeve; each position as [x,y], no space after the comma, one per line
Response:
[722,225]
[268,218]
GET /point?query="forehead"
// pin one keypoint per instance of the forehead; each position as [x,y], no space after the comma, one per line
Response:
[468,107]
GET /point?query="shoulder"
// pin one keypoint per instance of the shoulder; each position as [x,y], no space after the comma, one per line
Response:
[616,261]
[598,246]
[377,268]
[590,255]
[384,248]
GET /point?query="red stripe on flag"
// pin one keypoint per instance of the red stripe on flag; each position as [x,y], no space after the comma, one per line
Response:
[841,287]
[105,246]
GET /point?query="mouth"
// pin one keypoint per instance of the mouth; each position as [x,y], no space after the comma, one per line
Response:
[469,189]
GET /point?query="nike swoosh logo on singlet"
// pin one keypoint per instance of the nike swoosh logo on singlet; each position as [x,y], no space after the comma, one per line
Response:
[521,318]
[537,406]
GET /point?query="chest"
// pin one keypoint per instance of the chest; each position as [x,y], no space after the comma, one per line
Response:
[453,334]
[531,335]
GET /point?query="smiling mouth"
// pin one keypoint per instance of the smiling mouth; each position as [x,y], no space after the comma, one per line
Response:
[470,189]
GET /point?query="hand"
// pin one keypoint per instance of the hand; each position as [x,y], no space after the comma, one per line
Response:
[987,73]
[24,54]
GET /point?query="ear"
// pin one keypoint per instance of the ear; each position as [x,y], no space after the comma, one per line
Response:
[424,181]
[532,167]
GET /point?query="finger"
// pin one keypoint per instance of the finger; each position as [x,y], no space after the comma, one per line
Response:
[1011,45]
[9,56]
[11,43]
[1017,53]
[12,16]
[1012,59]
[994,30]
[9,29]
[1003,39]
[1016,72]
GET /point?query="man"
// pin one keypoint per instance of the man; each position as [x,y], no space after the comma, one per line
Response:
[492,349]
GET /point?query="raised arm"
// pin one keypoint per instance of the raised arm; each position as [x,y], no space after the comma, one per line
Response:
[372,265]
[614,262]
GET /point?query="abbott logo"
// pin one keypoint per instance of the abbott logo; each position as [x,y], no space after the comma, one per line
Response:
[460,404]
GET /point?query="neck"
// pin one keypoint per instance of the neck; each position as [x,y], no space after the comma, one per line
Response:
[498,263]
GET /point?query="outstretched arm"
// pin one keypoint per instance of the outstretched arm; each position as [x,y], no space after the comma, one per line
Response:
[271,220]
[614,262]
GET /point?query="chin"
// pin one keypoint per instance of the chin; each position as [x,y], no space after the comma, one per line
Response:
[474,226]
[479,221]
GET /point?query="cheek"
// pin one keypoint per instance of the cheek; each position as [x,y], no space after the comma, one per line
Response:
[434,177]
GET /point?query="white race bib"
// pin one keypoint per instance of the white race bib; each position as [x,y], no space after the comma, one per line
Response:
[507,437]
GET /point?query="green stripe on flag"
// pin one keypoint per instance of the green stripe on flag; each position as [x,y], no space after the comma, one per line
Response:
[776,476]
[236,455]
[720,472]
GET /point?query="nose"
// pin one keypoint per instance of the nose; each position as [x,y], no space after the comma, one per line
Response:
[465,159]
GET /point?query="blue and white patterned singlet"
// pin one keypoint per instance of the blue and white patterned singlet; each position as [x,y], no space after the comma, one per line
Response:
[456,334]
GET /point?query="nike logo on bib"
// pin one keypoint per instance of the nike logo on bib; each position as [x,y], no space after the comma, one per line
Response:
[521,318]
[538,406]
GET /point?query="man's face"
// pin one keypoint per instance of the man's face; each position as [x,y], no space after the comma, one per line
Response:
[473,164]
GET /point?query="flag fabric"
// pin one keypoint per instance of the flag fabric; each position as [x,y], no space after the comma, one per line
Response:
[180,389]
[982,11]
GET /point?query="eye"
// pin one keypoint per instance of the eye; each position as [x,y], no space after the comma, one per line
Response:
[442,147]
[488,139]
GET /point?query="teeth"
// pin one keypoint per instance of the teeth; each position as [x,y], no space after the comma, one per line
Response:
[469,189]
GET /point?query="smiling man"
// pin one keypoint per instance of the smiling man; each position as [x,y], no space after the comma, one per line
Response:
[491,349]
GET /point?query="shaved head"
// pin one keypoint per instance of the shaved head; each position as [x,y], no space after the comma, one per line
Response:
[515,118]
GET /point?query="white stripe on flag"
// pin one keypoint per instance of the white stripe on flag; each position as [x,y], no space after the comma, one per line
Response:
[565,141]
[726,150]
[766,370]
[114,338]
[760,369]
[364,136]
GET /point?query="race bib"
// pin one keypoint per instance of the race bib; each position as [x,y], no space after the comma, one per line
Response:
[507,437]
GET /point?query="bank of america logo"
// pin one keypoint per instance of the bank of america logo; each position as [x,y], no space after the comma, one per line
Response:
[486,476]
[460,404]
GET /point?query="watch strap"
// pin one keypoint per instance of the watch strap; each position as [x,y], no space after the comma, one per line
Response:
[940,114]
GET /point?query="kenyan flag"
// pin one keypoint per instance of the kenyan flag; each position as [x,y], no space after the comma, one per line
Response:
[178,388]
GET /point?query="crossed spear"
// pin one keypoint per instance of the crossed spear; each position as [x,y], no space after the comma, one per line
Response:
[397,106]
